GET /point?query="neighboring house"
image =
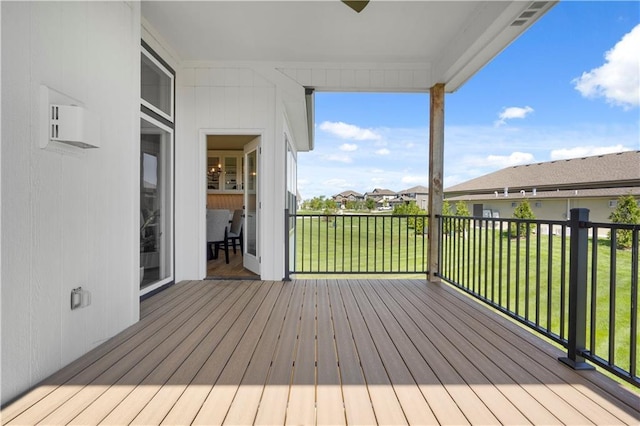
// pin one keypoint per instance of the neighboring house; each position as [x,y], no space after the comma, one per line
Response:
[553,188]
[349,195]
[188,103]
[419,194]
[380,194]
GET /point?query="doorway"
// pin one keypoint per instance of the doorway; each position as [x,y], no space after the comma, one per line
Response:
[232,162]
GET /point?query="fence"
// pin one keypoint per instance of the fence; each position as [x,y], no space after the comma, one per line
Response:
[563,279]
[361,244]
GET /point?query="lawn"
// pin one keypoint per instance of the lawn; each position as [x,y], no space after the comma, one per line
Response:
[359,244]
[530,277]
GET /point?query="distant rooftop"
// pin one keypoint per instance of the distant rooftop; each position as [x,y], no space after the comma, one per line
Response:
[617,170]
[415,190]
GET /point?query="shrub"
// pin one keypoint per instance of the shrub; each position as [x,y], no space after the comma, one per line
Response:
[462,211]
[412,209]
[627,212]
[446,211]
[522,211]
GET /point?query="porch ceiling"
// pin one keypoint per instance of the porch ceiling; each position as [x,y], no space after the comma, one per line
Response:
[441,42]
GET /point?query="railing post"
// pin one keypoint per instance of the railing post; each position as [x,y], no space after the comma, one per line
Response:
[578,245]
[286,246]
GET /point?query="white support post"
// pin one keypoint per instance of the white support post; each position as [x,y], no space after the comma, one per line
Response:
[436,161]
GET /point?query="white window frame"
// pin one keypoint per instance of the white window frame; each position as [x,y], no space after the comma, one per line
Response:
[164,69]
[170,204]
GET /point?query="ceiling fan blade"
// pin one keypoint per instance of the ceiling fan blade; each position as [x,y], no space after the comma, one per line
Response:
[356,5]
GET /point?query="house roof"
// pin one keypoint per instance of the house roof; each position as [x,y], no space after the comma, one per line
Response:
[617,170]
[348,194]
[419,189]
[381,191]
[389,46]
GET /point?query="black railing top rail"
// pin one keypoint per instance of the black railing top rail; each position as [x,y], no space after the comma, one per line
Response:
[508,219]
[587,224]
[385,214]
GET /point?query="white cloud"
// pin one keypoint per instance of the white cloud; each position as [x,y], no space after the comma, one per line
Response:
[618,79]
[513,159]
[585,151]
[336,183]
[511,113]
[339,158]
[349,131]
[415,180]
[349,147]
[383,151]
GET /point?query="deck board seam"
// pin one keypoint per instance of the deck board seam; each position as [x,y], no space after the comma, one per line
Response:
[541,346]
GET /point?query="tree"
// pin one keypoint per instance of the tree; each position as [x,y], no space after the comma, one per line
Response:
[522,211]
[628,212]
[446,223]
[462,211]
[370,203]
[446,208]
[411,209]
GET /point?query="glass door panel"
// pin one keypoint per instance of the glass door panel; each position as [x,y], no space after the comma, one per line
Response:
[156,204]
[231,173]
[252,208]
[214,170]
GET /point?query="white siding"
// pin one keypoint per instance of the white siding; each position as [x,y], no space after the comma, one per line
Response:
[227,100]
[67,220]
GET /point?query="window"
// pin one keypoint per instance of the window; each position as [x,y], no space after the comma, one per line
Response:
[538,204]
[613,203]
[157,83]
[156,171]
[514,204]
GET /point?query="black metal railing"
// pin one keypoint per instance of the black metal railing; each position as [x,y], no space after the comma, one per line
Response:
[568,280]
[355,244]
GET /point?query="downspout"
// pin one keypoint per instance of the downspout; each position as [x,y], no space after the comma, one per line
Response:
[310,103]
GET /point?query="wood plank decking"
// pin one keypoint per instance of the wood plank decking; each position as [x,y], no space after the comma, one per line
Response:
[322,352]
[218,269]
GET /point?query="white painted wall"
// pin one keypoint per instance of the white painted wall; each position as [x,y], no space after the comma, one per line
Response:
[217,98]
[67,220]
[549,208]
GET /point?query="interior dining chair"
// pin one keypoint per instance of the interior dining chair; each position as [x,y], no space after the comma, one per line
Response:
[217,221]
[235,231]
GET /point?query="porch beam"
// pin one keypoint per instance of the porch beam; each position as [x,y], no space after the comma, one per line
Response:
[436,161]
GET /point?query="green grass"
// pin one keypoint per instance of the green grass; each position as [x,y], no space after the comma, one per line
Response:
[358,244]
[532,278]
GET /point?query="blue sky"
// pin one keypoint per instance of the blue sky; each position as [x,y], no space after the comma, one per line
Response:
[567,88]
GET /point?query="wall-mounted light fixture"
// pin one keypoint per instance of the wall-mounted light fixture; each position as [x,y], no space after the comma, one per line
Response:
[66,120]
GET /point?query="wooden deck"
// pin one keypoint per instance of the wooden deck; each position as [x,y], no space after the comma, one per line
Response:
[322,352]
[217,268]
